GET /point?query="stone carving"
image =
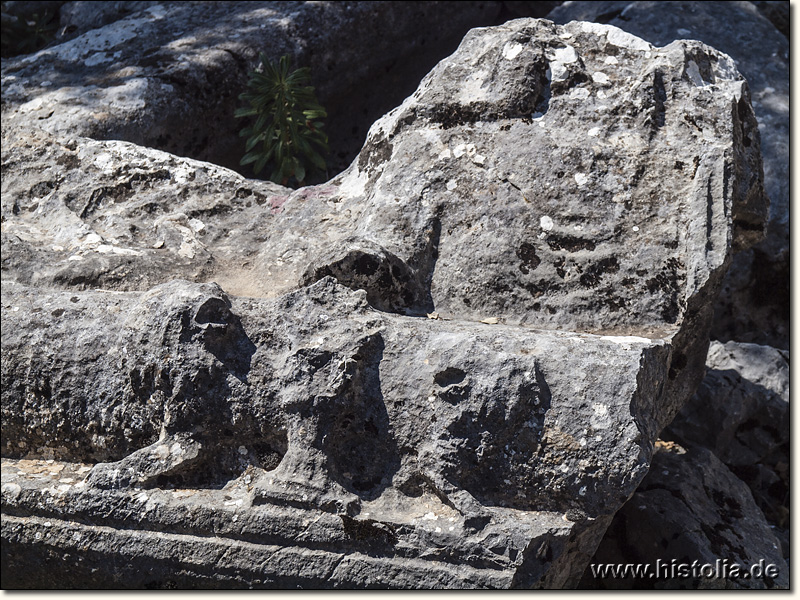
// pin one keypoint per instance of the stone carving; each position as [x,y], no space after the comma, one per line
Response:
[443,368]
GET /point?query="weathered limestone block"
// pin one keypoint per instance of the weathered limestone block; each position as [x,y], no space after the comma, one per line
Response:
[691,510]
[754,304]
[741,413]
[79,16]
[113,215]
[560,201]
[488,453]
[446,209]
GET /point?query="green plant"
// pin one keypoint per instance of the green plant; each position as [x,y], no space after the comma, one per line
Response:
[287,131]
[26,33]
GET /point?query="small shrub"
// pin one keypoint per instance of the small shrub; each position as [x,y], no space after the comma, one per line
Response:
[287,132]
[23,34]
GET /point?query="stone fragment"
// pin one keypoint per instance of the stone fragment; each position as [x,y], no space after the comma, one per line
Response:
[113,215]
[442,446]
[754,304]
[444,209]
[695,524]
[741,413]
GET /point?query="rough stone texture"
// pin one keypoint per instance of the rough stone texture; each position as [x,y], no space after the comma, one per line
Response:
[168,75]
[777,11]
[441,447]
[312,399]
[690,507]
[113,215]
[754,303]
[741,413]
[78,17]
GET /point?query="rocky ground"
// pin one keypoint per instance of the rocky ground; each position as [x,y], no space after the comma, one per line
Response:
[478,356]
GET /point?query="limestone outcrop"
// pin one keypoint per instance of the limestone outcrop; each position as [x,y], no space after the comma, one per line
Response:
[446,367]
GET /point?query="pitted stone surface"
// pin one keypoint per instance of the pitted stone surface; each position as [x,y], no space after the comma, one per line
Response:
[415,434]
[446,367]
[696,512]
[754,304]
[168,74]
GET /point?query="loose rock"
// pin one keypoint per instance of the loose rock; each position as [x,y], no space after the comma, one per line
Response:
[741,413]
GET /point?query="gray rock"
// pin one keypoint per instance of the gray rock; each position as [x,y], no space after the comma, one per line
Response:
[741,413]
[168,75]
[754,304]
[777,11]
[79,16]
[444,209]
[113,215]
[312,399]
[529,8]
[429,442]
[691,511]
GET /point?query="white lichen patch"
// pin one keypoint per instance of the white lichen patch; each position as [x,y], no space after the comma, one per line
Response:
[600,419]
[451,185]
[464,149]
[626,339]
[558,71]
[593,132]
[183,174]
[104,161]
[579,93]
[511,50]
[581,178]
[601,78]
[90,242]
[623,39]
[109,249]
[473,88]
[614,35]
[564,55]
[546,223]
